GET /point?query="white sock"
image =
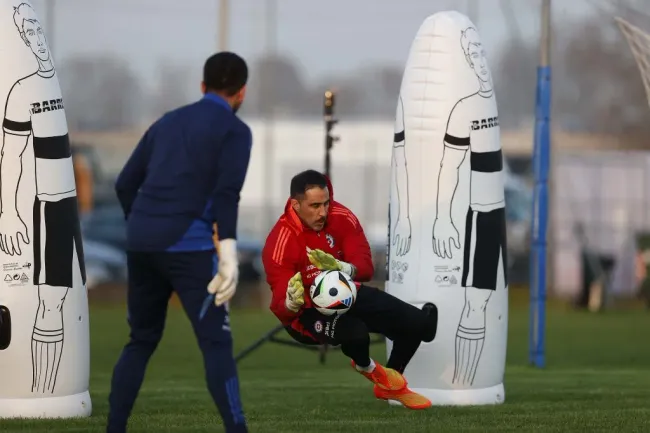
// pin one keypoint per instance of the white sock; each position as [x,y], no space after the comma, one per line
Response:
[368,369]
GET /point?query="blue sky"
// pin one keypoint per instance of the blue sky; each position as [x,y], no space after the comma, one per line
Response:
[367,31]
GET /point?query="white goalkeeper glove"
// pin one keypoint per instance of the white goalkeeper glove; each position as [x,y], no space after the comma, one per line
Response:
[224,284]
[295,294]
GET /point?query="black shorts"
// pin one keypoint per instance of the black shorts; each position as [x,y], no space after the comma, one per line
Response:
[374,311]
[57,234]
[485,240]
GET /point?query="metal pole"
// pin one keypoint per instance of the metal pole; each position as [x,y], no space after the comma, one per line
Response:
[270,168]
[541,161]
[330,121]
[224,22]
[545,46]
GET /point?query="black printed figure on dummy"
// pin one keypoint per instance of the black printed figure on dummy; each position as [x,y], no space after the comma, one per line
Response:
[34,107]
[473,125]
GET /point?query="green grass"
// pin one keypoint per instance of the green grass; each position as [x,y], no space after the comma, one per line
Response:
[597,380]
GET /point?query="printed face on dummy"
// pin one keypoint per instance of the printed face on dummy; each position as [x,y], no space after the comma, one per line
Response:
[312,207]
[35,39]
[479,62]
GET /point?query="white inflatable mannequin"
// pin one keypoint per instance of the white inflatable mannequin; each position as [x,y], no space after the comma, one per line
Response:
[44,347]
[447,239]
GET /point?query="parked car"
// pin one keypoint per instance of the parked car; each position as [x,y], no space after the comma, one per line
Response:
[104,263]
[106,226]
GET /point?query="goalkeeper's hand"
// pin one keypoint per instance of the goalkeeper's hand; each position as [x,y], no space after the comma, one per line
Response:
[224,284]
[327,262]
[295,294]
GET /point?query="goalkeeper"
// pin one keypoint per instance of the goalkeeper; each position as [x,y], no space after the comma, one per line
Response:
[184,176]
[316,233]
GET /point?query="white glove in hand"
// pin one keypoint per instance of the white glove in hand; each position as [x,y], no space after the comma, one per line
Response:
[295,294]
[347,268]
[224,284]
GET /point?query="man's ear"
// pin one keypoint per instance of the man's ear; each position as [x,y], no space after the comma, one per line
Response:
[240,96]
[295,205]
[203,87]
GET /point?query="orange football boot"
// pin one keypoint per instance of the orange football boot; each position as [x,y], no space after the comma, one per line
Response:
[383,377]
[408,398]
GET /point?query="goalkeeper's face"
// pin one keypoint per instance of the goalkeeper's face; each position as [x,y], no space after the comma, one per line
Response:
[312,207]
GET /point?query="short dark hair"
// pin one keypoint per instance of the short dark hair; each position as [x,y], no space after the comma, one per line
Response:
[306,180]
[225,72]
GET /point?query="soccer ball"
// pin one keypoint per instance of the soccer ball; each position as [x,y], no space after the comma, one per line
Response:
[333,292]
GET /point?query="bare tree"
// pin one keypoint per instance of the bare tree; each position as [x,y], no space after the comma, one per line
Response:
[172,88]
[101,93]
[514,82]
[276,84]
[628,9]
[597,82]
[368,92]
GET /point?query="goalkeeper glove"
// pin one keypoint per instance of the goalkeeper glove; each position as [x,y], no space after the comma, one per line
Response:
[295,294]
[224,284]
[327,262]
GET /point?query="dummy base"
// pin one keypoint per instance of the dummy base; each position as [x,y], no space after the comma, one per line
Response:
[461,397]
[67,406]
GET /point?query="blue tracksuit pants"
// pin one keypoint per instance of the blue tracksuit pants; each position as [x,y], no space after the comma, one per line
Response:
[153,276]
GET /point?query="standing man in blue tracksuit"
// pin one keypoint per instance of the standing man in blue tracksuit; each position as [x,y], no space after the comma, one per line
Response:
[184,176]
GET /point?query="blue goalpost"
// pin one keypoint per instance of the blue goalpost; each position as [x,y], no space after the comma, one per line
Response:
[540,214]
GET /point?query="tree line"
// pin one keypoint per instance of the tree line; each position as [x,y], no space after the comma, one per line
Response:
[597,86]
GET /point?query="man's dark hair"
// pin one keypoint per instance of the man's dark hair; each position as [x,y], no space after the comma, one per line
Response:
[306,180]
[225,72]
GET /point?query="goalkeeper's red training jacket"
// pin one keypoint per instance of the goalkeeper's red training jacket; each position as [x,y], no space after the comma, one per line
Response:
[285,253]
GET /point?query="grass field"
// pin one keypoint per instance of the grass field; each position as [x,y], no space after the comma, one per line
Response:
[597,380]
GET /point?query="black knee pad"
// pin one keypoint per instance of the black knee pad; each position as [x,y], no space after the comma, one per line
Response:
[431,311]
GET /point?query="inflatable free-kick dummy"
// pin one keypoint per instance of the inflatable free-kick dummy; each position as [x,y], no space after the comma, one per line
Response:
[447,238]
[44,336]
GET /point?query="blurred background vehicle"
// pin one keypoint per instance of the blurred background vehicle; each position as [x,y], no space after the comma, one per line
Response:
[104,234]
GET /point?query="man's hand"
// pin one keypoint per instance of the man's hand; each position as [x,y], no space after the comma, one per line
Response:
[444,234]
[12,227]
[295,298]
[327,262]
[323,260]
[224,284]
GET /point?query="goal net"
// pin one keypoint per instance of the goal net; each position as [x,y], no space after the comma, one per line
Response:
[639,42]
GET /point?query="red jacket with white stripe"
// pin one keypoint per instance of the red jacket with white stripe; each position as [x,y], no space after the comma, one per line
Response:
[285,253]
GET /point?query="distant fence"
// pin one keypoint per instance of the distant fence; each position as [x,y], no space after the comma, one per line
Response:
[603,198]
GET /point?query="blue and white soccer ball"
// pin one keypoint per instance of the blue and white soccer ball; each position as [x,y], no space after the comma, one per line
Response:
[333,292]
